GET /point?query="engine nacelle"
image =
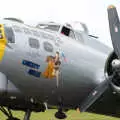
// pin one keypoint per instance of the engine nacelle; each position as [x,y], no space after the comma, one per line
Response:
[115,64]
[112,72]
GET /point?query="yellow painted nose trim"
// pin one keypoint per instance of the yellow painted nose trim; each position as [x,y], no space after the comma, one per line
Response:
[3,41]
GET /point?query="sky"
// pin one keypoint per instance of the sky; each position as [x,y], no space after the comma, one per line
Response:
[91,12]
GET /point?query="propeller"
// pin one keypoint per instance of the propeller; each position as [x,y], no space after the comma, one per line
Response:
[114,25]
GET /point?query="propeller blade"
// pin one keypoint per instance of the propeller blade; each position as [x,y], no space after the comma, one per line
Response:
[114,25]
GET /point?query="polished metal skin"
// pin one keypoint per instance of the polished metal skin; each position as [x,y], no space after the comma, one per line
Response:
[82,71]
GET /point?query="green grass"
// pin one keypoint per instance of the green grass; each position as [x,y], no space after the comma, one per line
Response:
[49,115]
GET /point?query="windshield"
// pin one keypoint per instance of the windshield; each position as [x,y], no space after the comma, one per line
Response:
[49,27]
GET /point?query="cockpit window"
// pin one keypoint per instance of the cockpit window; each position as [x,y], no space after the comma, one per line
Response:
[68,32]
[9,35]
[65,31]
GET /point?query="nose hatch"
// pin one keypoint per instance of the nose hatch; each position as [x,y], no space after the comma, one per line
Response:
[3,41]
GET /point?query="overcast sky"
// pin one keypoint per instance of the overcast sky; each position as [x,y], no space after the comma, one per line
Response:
[91,12]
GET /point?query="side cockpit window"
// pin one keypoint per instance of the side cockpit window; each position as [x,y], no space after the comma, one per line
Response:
[9,35]
[67,32]
[34,43]
[79,37]
[71,34]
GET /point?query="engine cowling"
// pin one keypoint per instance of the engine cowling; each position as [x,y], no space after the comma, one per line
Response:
[112,72]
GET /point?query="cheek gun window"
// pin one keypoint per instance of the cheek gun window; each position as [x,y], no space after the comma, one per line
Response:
[34,43]
[10,35]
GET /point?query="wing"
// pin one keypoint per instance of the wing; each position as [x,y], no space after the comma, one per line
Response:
[102,100]
[107,104]
[94,95]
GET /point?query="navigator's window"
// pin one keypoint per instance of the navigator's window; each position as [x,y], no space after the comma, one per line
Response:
[48,46]
[34,43]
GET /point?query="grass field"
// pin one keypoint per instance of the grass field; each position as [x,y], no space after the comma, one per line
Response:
[49,115]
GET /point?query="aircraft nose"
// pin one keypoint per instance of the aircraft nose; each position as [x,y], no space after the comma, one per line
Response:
[3,41]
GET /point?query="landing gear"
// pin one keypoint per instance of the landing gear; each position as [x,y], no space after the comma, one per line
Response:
[27,115]
[60,114]
[13,118]
[8,113]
